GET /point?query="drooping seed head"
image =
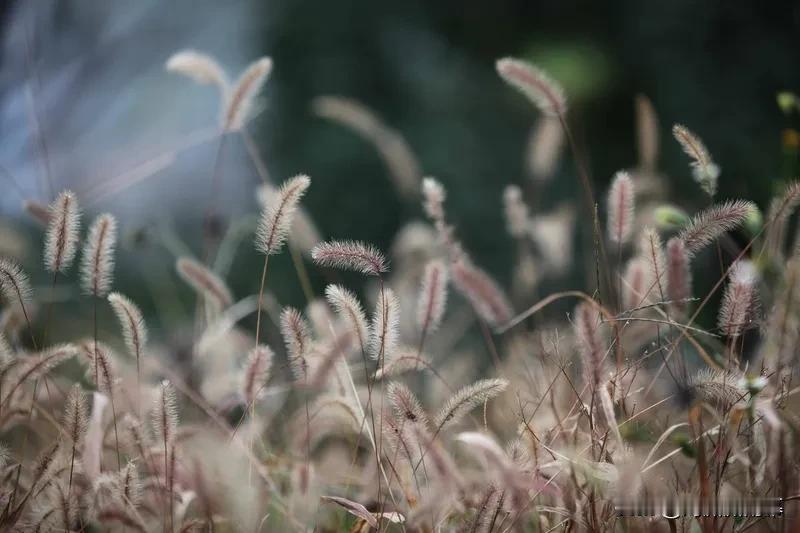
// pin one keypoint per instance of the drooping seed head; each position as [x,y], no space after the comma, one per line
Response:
[239,101]
[544,92]
[276,219]
[485,295]
[350,255]
[466,399]
[709,224]
[397,155]
[204,282]
[704,170]
[198,66]
[303,233]
[14,283]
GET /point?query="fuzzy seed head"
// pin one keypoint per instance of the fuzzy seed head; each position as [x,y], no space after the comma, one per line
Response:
[590,343]
[350,255]
[543,92]
[485,295]
[97,262]
[256,373]
[719,389]
[347,306]
[468,398]
[130,486]
[61,238]
[165,413]
[620,208]
[780,210]
[406,405]
[384,329]
[652,250]
[135,438]
[44,465]
[200,67]
[14,284]
[75,414]
[239,102]
[297,338]
[405,360]
[739,300]
[131,320]
[709,224]
[276,219]
[647,135]
[544,148]
[704,170]
[50,358]
[432,297]
[786,204]
[204,282]
[303,234]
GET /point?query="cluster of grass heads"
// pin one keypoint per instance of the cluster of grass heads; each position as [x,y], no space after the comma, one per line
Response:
[366,410]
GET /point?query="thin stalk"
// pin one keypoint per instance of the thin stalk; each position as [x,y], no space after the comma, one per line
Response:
[261,297]
[35,386]
[302,273]
[169,488]
[71,470]
[215,186]
[258,336]
[583,173]
[116,435]
[381,361]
